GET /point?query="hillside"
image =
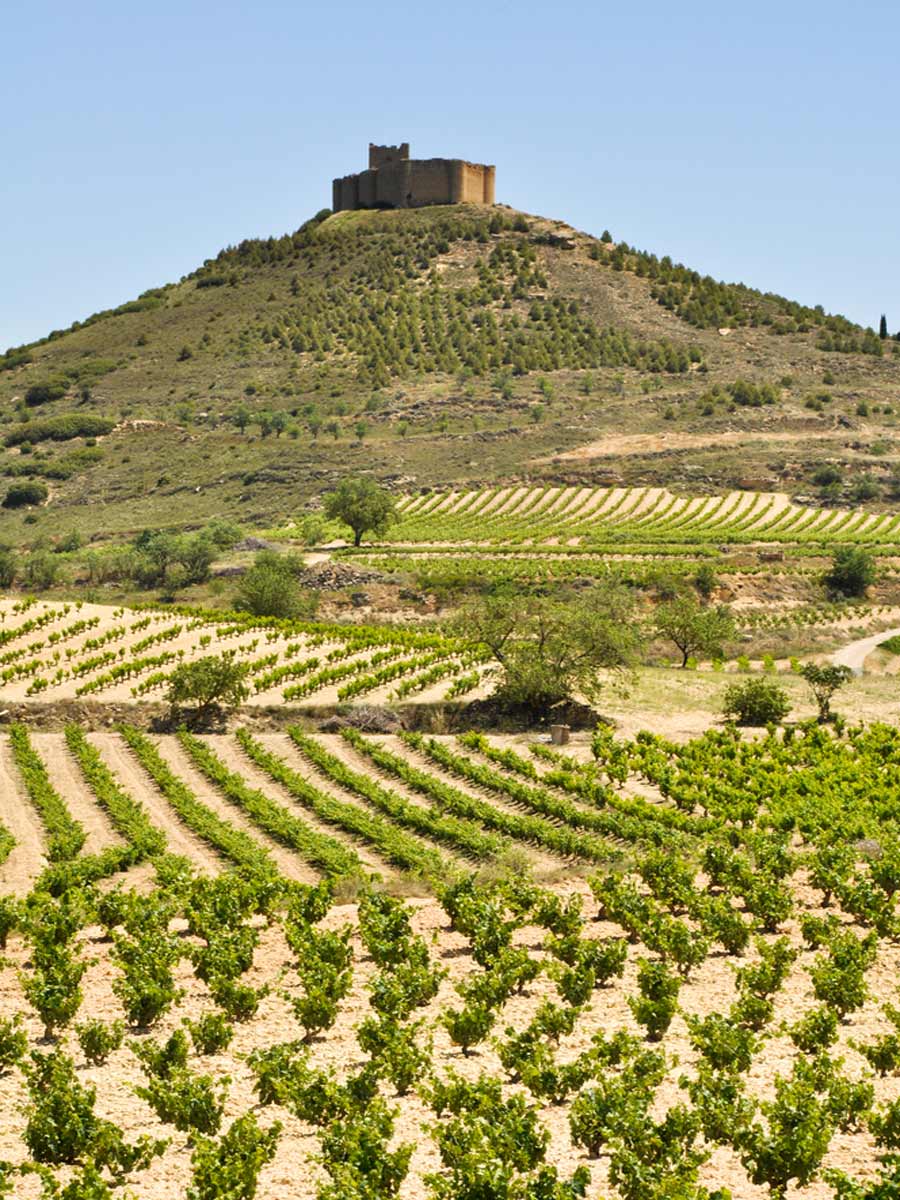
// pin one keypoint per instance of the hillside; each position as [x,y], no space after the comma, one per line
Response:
[443,346]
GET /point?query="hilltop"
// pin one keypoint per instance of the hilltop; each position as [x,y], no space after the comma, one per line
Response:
[450,345]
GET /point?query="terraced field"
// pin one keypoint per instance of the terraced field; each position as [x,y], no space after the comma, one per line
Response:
[633,516]
[634,970]
[65,651]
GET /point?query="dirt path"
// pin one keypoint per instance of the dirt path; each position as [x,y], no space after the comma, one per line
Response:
[660,443]
[136,782]
[80,800]
[854,654]
[26,859]
[289,863]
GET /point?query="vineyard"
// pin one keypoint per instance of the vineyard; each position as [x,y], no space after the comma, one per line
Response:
[641,516]
[307,965]
[74,650]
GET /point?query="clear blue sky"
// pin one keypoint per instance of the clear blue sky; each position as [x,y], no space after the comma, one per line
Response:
[754,142]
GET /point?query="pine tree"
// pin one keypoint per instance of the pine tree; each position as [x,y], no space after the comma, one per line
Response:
[882,328]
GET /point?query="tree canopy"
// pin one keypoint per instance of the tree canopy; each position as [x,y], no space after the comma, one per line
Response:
[216,681]
[269,589]
[694,627]
[363,505]
[549,649]
[851,572]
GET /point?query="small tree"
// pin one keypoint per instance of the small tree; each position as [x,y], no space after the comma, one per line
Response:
[882,328]
[216,681]
[851,572]
[825,681]
[694,628]
[269,589]
[241,417]
[756,702]
[361,504]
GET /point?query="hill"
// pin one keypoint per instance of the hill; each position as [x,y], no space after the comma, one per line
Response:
[457,345]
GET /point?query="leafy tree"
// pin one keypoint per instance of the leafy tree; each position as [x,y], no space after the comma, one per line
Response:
[241,417]
[269,589]
[825,680]
[363,505]
[851,572]
[549,649]
[216,681]
[694,628]
[756,702]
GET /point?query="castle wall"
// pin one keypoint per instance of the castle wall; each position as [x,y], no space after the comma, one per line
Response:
[396,181]
[430,183]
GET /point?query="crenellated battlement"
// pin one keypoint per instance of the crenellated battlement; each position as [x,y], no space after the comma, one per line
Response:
[394,180]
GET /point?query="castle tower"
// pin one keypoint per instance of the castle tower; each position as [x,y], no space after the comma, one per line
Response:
[394,180]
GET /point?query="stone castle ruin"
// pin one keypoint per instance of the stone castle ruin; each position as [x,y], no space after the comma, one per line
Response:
[394,180]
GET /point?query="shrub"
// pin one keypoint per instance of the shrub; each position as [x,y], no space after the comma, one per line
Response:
[210,1033]
[852,571]
[60,429]
[13,1042]
[215,681]
[23,495]
[42,393]
[269,589]
[98,1040]
[228,1168]
[756,702]
[190,1102]
[468,1026]
[655,1007]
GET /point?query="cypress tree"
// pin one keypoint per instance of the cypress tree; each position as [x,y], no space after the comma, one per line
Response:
[882,328]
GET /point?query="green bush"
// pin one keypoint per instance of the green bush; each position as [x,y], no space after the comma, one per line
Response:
[851,573]
[756,702]
[215,681]
[49,389]
[23,495]
[98,1040]
[60,429]
[269,589]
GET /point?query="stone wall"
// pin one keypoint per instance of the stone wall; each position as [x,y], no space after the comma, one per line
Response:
[394,180]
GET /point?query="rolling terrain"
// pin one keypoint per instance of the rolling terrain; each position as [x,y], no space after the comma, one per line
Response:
[450,346]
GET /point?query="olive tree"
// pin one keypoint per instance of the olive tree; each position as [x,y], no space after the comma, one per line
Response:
[361,504]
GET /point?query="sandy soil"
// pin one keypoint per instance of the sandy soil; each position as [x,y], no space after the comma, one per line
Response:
[293,1176]
[27,858]
[658,443]
[69,782]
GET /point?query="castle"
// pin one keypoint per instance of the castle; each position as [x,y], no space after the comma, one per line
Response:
[394,180]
